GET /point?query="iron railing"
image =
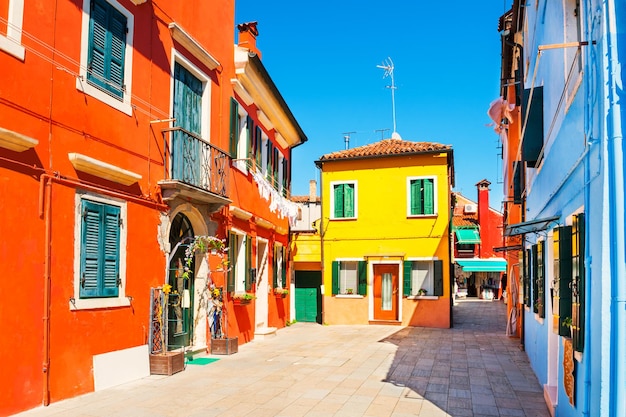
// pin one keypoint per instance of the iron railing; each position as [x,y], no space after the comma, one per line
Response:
[196,162]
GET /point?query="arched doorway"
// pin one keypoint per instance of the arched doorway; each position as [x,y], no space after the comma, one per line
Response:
[180,308]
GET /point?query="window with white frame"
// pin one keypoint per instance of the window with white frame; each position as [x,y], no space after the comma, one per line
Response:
[421,196]
[279,267]
[573,65]
[423,277]
[349,277]
[343,200]
[99,263]
[241,131]
[11,31]
[239,253]
[106,53]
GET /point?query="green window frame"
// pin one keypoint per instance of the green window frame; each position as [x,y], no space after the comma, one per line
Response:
[539,269]
[562,291]
[421,195]
[339,287]
[234,128]
[107,48]
[437,278]
[100,250]
[578,282]
[239,273]
[343,200]
[279,267]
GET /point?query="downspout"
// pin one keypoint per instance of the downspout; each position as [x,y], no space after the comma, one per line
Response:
[615,165]
[46,288]
[321,231]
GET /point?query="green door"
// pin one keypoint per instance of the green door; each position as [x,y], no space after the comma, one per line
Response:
[308,298]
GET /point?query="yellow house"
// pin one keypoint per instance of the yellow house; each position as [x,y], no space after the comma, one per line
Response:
[385,234]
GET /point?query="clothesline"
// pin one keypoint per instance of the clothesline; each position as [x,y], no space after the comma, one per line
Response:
[278,203]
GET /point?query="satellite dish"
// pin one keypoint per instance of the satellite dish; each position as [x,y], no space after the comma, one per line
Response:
[396,135]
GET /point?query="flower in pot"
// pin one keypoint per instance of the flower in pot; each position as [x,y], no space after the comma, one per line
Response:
[349,291]
[242,298]
[422,291]
[283,292]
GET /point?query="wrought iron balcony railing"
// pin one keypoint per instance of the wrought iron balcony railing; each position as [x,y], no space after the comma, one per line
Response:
[193,161]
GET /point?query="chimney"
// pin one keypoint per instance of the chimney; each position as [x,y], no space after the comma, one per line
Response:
[312,191]
[247,37]
[486,245]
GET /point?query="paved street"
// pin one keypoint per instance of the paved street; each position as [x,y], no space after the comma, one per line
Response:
[312,370]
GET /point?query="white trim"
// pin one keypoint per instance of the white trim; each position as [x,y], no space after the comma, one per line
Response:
[240,265]
[205,110]
[102,169]
[332,199]
[82,85]
[16,141]
[12,42]
[370,285]
[435,196]
[93,303]
[193,46]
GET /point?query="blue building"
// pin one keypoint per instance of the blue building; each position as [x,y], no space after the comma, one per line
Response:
[562,68]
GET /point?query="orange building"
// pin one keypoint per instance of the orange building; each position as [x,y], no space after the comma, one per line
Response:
[115,151]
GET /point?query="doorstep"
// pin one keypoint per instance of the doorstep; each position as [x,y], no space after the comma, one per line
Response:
[264,332]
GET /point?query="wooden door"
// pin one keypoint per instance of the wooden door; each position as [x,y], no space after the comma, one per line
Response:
[386,292]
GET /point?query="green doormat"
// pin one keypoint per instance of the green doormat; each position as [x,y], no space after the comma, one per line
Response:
[201,361]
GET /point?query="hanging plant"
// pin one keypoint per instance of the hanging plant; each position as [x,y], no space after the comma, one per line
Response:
[205,244]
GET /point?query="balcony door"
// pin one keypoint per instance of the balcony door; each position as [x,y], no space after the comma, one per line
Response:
[186,150]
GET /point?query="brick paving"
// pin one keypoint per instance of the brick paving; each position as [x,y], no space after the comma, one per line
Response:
[311,370]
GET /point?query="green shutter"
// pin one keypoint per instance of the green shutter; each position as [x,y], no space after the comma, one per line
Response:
[107,47]
[258,155]
[249,139]
[526,279]
[232,258]
[284,267]
[338,209]
[408,269]
[335,277]
[429,197]
[234,127]
[578,285]
[348,200]
[415,197]
[438,271]
[100,250]
[362,277]
[562,302]
[540,271]
[275,268]
[248,258]
[534,279]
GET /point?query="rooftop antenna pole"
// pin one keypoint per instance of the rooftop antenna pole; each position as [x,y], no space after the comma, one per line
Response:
[346,138]
[387,65]
[382,132]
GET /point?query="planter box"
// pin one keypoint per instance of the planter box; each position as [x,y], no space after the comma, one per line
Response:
[226,346]
[167,363]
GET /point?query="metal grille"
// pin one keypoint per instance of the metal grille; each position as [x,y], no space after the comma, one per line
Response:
[158,320]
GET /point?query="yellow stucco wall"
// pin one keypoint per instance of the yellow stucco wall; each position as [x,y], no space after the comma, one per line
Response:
[384,232]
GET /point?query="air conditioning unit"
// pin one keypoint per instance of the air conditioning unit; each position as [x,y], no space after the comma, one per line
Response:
[470,208]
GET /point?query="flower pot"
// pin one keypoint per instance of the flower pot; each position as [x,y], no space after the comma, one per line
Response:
[167,363]
[225,346]
[241,301]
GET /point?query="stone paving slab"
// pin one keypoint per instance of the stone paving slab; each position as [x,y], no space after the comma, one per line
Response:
[311,370]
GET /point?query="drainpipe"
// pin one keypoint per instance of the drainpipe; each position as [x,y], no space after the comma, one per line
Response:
[615,165]
[321,232]
[46,289]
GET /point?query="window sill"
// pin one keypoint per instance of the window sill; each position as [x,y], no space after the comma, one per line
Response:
[343,218]
[348,296]
[97,303]
[423,297]
[422,216]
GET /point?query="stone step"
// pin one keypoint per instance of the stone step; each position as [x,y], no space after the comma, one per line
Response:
[264,332]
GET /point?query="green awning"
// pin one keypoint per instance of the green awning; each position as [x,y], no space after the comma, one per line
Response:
[483,265]
[469,235]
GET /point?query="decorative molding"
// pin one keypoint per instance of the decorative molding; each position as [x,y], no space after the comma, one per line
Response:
[138,2]
[264,223]
[265,121]
[193,46]
[241,92]
[15,141]
[281,230]
[239,213]
[102,169]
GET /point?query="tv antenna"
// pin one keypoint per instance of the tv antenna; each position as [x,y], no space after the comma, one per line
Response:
[382,132]
[346,138]
[387,65]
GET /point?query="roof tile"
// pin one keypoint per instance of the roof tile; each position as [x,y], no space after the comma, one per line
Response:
[386,147]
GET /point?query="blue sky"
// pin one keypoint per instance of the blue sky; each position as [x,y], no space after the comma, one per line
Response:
[323,58]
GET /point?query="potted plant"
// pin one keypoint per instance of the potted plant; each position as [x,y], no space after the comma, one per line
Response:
[422,292]
[242,298]
[349,291]
[281,292]
[567,322]
[162,361]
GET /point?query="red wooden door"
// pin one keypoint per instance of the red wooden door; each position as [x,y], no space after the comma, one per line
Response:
[386,292]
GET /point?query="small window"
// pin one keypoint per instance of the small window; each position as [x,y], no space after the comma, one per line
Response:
[343,200]
[349,278]
[421,197]
[280,267]
[239,253]
[11,39]
[423,278]
[241,136]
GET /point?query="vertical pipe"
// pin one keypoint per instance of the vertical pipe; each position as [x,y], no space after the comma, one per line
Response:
[615,165]
[46,292]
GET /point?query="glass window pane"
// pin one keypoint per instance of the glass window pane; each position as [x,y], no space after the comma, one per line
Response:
[387,292]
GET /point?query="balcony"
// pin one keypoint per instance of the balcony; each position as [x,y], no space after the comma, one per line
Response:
[194,170]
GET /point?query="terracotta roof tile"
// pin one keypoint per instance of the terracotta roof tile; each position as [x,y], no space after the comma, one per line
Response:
[386,147]
[460,221]
[302,199]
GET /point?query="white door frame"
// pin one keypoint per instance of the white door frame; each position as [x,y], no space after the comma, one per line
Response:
[262,284]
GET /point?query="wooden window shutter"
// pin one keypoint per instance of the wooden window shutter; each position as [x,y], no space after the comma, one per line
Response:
[362,277]
[562,300]
[535,283]
[107,47]
[348,200]
[284,267]
[338,209]
[518,185]
[258,155]
[275,268]
[232,257]
[234,127]
[335,277]
[526,277]
[248,279]
[406,277]
[540,271]
[429,197]
[100,238]
[415,197]
[249,140]
[578,283]
[438,271]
